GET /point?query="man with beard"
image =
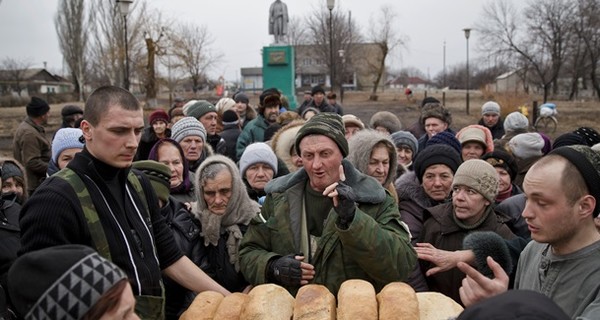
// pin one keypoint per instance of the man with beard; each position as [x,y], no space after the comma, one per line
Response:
[30,145]
[254,131]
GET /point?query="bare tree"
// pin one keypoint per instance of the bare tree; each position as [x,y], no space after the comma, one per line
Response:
[297,33]
[383,34]
[190,46]
[70,22]
[16,70]
[587,28]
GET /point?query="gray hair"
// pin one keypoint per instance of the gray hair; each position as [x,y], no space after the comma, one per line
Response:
[211,171]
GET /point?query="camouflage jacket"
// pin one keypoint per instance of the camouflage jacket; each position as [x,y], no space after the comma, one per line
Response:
[376,246]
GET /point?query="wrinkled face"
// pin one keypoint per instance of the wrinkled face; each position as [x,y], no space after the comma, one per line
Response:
[437,181]
[296,159]
[472,150]
[217,192]
[271,113]
[490,119]
[469,205]
[434,125]
[125,308]
[405,155]
[318,98]
[240,108]
[350,131]
[503,179]
[258,175]
[169,155]
[548,213]
[159,127]
[66,156]
[379,164]
[10,185]
[321,159]
[192,147]
[209,120]
[114,140]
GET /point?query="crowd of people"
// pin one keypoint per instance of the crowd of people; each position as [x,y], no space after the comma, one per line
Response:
[227,196]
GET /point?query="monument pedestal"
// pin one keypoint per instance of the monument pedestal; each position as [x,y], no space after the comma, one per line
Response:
[279,71]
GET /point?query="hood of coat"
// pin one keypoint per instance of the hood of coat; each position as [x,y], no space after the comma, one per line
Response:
[283,141]
[361,145]
[409,189]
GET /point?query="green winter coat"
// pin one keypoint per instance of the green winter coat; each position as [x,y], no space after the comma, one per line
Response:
[254,131]
[376,246]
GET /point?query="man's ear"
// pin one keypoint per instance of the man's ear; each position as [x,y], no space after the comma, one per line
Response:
[86,128]
[587,205]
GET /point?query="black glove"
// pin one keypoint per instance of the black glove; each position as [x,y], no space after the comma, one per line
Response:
[285,271]
[346,206]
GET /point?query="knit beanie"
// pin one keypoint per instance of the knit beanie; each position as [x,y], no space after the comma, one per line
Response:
[256,153]
[66,138]
[587,161]
[387,120]
[591,136]
[241,97]
[479,176]
[476,133]
[37,107]
[502,159]
[11,169]
[568,139]
[61,282]
[547,143]
[200,108]
[70,110]
[436,154]
[158,115]
[316,89]
[490,107]
[405,138]
[230,117]
[328,124]
[436,110]
[526,145]
[187,105]
[159,175]
[447,138]
[188,126]
[352,120]
[515,121]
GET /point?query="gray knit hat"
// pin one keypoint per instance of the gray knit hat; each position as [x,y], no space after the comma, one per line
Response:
[526,145]
[516,121]
[328,124]
[66,138]
[479,176]
[187,126]
[256,153]
[490,107]
[200,108]
[406,138]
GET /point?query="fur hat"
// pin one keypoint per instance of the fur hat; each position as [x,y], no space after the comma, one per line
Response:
[61,282]
[159,175]
[70,110]
[316,89]
[200,108]
[436,154]
[476,133]
[352,120]
[479,176]
[502,159]
[436,110]
[568,139]
[37,107]
[406,138]
[429,100]
[230,117]
[516,121]
[387,120]
[283,142]
[587,161]
[158,115]
[241,97]
[256,153]
[273,100]
[490,107]
[188,126]
[328,124]
[590,135]
[447,138]
[526,145]
[66,138]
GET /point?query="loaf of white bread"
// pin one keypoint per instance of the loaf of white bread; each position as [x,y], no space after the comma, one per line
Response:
[398,300]
[356,300]
[436,306]
[268,301]
[231,306]
[203,307]
[314,302]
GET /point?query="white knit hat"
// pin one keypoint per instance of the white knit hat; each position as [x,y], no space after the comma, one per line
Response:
[66,138]
[188,126]
[515,121]
[490,107]
[256,153]
[526,145]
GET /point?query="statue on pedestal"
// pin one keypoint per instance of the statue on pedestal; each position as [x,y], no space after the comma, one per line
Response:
[278,21]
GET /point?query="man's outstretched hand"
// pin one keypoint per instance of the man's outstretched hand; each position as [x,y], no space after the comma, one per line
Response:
[344,200]
[476,287]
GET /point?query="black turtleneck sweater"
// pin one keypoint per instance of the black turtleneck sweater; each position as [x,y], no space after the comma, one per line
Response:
[53,216]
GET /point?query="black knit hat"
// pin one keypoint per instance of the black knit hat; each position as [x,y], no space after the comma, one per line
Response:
[70,110]
[316,89]
[241,97]
[62,282]
[436,154]
[502,159]
[587,161]
[230,117]
[568,139]
[37,107]
[328,124]
[590,135]
[447,138]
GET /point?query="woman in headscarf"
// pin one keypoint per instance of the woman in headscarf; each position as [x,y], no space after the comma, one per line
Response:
[169,152]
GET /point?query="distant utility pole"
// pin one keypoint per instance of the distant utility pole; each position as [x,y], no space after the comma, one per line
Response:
[444,71]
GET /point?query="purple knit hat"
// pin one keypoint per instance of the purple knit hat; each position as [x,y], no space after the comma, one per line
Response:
[447,138]
[547,143]
[186,185]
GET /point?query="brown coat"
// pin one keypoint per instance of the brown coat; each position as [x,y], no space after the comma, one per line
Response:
[32,149]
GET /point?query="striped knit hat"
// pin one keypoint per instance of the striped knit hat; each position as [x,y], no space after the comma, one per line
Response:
[328,124]
[188,126]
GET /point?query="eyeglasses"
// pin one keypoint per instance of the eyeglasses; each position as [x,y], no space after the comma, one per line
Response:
[495,162]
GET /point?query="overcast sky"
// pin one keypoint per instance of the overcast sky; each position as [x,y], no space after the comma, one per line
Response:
[239,28]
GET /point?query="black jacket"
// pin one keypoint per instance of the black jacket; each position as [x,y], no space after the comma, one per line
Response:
[230,134]
[147,141]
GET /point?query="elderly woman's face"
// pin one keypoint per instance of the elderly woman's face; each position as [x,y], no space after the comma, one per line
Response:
[258,175]
[169,155]
[437,181]
[217,192]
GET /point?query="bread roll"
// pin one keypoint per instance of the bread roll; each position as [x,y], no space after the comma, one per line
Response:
[356,300]
[231,306]
[204,306]
[314,302]
[268,301]
[435,306]
[398,300]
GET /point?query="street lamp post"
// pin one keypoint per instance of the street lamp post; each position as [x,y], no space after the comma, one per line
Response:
[342,74]
[330,6]
[467,34]
[124,9]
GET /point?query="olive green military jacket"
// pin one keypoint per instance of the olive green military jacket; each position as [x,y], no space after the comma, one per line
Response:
[375,247]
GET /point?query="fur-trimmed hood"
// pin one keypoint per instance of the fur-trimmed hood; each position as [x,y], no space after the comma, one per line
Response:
[283,141]
[361,145]
[366,188]
[409,189]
